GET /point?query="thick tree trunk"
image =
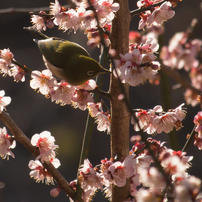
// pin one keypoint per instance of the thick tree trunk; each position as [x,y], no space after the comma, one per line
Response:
[119,112]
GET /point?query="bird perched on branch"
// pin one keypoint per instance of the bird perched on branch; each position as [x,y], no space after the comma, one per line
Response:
[65,59]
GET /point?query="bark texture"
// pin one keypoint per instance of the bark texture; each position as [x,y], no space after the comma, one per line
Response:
[119,113]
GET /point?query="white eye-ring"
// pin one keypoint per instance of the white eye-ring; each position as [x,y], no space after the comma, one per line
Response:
[90,73]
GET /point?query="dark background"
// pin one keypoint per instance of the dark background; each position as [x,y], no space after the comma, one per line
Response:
[33,113]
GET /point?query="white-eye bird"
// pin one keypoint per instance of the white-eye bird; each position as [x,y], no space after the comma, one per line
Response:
[65,59]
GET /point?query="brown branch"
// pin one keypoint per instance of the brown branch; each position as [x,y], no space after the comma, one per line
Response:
[25,10]
[119,139]
[177,77]
[25,141]
[140,10]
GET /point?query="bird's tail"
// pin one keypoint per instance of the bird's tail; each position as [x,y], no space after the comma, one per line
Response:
[37,34]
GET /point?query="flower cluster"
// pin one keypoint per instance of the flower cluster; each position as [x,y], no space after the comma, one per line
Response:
[198,129]
[82,17]
[183,52]
[6,144]
[103,119]
[147,183]
[138,65]
[39,173]
[4,100]
[156,15]
[47,148]
[157,121]
[8,68]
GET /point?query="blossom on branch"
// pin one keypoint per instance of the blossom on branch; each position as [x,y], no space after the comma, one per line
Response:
[62,93]
[4,101]
[157,121]
[138,65]
[103,119]
[156,15]
[42,81]
[46,144]
[39,173]
[6,144]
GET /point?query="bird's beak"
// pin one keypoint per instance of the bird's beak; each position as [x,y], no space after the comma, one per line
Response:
[103,70]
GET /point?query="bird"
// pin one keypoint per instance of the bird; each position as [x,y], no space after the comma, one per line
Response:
[65,59]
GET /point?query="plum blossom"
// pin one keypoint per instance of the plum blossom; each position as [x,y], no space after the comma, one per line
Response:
[6,144]
[72,19]
[138,65]
[151,177]
[62,93]
[161,14]
[145,119]
[103,119]
[18,73]
[46,144]
[55,192]
[187,189]
[89,179]
[118,172]
[42,81]
[155,120]
[181,52]
[6,56]
[39,173]
[4,101]
[198,129]
[156,15]
[38,22]
[145,195]
[81,98]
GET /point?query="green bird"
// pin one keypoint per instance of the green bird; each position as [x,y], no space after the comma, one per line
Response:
[65,59]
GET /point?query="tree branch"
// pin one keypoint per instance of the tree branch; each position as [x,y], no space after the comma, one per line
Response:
[140,10]
[25,10]
[177,77]
[25,141]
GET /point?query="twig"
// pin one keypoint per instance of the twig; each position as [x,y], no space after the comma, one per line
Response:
[22,66]
[139,10]
[25,10]
[190,140]
[177,77]
[25,141]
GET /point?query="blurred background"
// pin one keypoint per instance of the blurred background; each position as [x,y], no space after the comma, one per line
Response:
[33,113]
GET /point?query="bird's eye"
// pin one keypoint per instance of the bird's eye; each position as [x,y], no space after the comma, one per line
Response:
[90,73]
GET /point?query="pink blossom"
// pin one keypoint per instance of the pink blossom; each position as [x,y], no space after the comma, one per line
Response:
[164,122]
[118,172]
[42,81]
[89,178]
[46,144]
[104,121]
[6,55]
[94,109]
[153,178]
[146,195]
[4,101]
[88,85]
[67,20]
[80,99]
[6,144]
[39,173]
[18,73]
[62,93]
[161,14]
[55,192]
[138,65]
[198,122]
[4,68]
[38,22]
